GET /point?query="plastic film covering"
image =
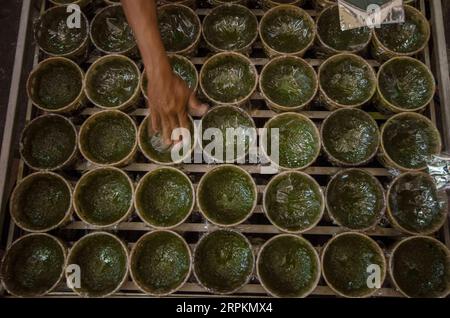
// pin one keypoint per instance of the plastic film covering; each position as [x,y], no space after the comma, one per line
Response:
[113,82]
[226,118]
[439,170]
[110,31]
[329,31]
[294,202]
[230,27]
[407,37]
[179,27]
[355,199]
[228,78]
[289,82]
[415,205]
[299,140]
[350,137]
[347,79]
[410,140]
[153,147]
[406,83]
[287,29]
[54,35]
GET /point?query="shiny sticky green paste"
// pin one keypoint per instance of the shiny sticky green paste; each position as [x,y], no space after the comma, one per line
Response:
[293,202]
[347,80]
[227,195]
[288,82]
[178,27]
[406,84]
[113,82]
[287,31]
[228,79]
[355,199]
[56,84]
[161,262]
[415,204]
[288,267]
[103,264]
[230,28]
[54,35]
[43,202]
[403,37]
[165,197]
[229,118]
[351,136]
[346,261]
[421,268]
[223,261]
[49,142]
[111,31]
[329,29]
[104,197]
[410,141]
[298,141]
[109,138]
[33,266]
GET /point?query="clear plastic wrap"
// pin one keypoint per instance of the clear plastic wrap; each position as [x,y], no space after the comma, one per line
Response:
[156,150]
[230,27]
[228,78]
[415,205]
[287,29]
[298,144]
[289,82]
[330,34]
[112,82]
[54,35]
[294,202]
[179,27]
[347,79]
[408,142]
[405,84]
[227,133]
[355,199]
[110,31]
[439,170]
[350,137]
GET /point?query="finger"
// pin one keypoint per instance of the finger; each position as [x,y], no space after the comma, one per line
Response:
[156,122]
[183,120]
[173,125]
[196,108]
[166,130]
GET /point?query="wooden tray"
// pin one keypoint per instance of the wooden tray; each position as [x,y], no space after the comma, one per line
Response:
[258,229]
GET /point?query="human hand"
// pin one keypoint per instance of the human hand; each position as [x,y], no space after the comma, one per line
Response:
[170,102]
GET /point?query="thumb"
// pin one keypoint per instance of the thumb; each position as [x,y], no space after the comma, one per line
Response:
[195,107]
